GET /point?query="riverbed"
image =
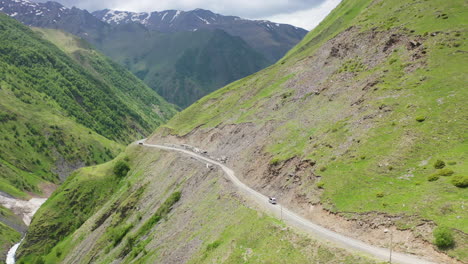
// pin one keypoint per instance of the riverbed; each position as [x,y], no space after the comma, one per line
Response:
[23,209]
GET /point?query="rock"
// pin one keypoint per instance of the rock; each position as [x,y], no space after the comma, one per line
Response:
[414,44]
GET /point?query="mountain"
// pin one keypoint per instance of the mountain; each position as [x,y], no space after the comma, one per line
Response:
[140,42]
[360,128]
[54,15]
[271,39]
[61,110]
[182,66]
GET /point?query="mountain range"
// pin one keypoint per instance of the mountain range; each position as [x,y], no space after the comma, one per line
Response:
[253,44]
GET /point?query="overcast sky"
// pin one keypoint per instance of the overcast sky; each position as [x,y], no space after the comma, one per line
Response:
[302,13]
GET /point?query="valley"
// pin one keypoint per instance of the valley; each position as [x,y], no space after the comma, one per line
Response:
[156,46]
[358,132]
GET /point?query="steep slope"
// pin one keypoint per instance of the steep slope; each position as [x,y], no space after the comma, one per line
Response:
[182,67]
[347,130]
[56,115]
[168,209]
[151,107]
[93,99]
[353,122]
[157,49]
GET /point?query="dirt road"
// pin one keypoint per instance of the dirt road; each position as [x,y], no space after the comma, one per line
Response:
[298,221]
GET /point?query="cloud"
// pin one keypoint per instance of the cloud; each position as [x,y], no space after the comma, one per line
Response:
[308,18]
[302,13]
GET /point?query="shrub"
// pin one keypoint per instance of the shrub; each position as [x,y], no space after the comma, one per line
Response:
[460,181]
[163,210]
[421,119]
[445,172]
[118,233]
[379,195]
[320,185]
[121,169]
[323,168]
[452,163]
[443,238]
[274,161]
[433,177]
[439,164]
[213,246]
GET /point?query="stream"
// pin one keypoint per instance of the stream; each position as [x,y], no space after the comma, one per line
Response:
[23,209]
[11,254]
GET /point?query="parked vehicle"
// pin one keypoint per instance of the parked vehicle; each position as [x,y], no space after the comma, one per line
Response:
[140,143]
[272,200]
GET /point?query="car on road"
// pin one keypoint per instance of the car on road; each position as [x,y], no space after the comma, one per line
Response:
[140,143]
[272,200]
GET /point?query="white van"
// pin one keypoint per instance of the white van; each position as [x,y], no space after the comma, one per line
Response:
[272,200]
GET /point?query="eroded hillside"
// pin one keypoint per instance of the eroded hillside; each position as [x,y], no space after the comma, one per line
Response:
[353,121]
[170,208]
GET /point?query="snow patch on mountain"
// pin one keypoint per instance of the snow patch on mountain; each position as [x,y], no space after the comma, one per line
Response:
[176,15]
[204,20]
[165,14]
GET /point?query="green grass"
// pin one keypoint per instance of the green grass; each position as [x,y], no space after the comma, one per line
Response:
[64,107]
[252,238]
[162,212]
[185,65]
[69,207]
[228,230]
[423,123]
[149,108]
[8,237]
[32,143]
[375,157]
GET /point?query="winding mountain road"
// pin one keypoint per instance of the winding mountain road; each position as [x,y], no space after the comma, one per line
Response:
[297,221]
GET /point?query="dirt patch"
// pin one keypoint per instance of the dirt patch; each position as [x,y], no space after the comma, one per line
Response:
[47,189]
[21,208]
[376,228]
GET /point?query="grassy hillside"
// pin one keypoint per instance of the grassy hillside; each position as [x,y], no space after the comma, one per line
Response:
[93,99]
[62,111]
[184,66]
[364,118]
[141,99]
[8,237]
[371,99]
[54,112]
[168,209]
